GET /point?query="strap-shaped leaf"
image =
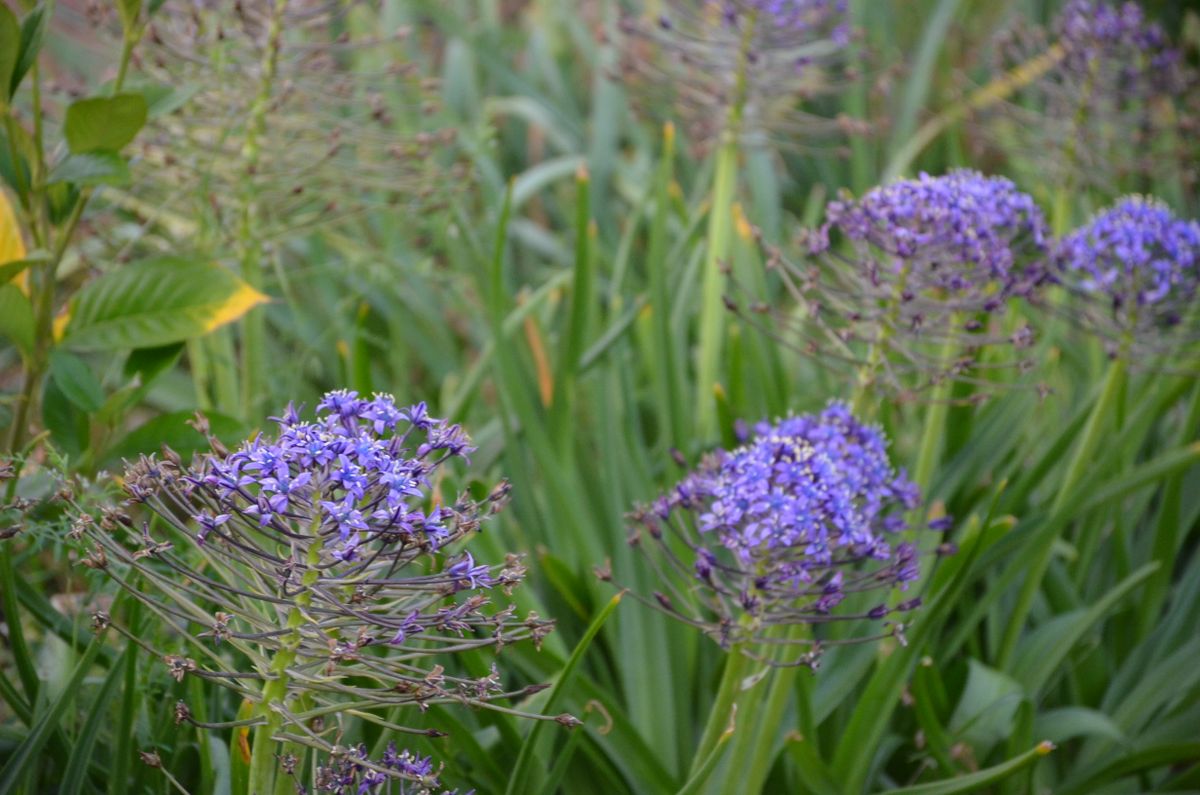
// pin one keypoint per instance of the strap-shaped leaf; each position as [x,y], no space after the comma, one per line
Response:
[157,302]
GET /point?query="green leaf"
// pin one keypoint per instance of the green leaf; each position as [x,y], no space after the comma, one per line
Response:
[68,425]
[91,168]
[10,270]
[81,751]
[29,752]
[978,782]
[985,711]
[16,318]
[157,302]
[107,123]
[173,431]
[1068,723]
[15,172]
[149,363]
[33,33]
[10,47]
[76,380]
[1044,649]
[522,770]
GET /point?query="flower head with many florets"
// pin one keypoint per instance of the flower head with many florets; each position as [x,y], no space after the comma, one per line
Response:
[781,530]
[1136,269]
[906,284]
[324,556]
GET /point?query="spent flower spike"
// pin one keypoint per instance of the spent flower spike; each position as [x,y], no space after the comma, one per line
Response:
[781,530]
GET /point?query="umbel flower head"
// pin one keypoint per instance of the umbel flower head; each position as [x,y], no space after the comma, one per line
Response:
[1113,104]
[320,559]
[781,530]
[769,58]
[907,283]
[1135,271]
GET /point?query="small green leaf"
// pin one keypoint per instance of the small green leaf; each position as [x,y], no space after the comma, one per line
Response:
[15,172]
[107,123]
[33,33]
[149,363]
[10,48]
[16,318]
[157,302]
[68,425]
[10,270]
[76,380]
[91,168]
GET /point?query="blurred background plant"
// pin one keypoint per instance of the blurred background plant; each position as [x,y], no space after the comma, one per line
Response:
[554,274]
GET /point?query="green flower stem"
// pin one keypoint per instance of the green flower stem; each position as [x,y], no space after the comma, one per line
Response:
[254,328]
[719,244]
[736,664]
[760,713]
[1085,449]
[263,763]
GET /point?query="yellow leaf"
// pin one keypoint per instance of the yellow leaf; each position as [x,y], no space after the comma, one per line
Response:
[12,247]
[238,304]
[60,322]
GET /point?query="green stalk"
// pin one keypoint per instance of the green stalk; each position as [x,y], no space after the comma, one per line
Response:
[668,387]
[719,241]
[761,711]
[254,328]
[718,717]
[263,763]
[1081,459]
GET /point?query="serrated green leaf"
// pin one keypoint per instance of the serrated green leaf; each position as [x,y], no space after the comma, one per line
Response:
[76,381]
[157,302]
[104,123]
[16,318]
[91,168]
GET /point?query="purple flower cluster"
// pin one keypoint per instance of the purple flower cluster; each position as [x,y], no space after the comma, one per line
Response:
[346,480]
[1142,260]
[905,286]
[781,530]
[973,239]
[1091,32]
[792,16]
[354,772]
[327,546]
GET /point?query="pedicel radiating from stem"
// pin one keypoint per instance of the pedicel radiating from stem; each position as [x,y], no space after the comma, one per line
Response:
[329,559]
